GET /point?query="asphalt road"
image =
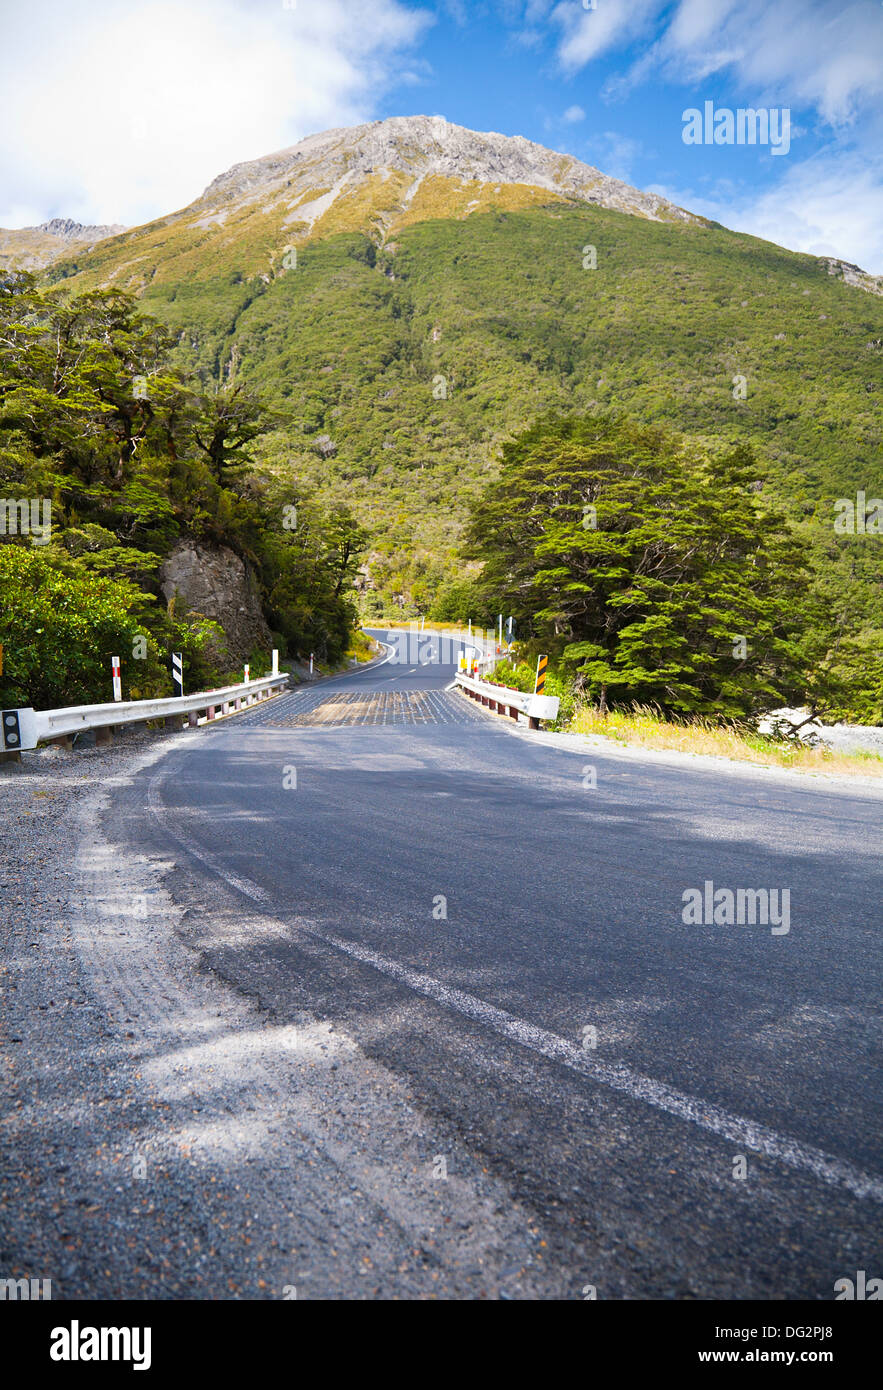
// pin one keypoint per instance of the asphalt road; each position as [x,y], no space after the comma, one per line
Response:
[599,1096]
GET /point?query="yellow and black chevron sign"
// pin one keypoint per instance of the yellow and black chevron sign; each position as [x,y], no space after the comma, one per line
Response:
[541,675]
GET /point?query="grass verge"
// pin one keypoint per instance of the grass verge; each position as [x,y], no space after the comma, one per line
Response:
[361,648]
[646,729]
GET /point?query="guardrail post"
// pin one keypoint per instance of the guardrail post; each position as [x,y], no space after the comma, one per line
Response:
[210,712]
[103,736]
[193,719]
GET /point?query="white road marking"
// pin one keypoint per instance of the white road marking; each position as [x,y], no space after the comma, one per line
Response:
[615,1075]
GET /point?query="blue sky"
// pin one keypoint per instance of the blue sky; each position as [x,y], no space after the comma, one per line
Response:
[208,83]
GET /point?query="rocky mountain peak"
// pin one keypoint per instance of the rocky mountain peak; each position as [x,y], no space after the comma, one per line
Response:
[69,230]
[424,147]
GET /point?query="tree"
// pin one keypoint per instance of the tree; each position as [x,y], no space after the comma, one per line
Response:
[650,568]
[344,541]
[96,424]
[228,423]
[60,630]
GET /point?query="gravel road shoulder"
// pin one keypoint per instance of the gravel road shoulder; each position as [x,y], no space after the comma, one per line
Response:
[162,1137]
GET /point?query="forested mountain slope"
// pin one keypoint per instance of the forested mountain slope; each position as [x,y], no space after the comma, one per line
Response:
[401,340]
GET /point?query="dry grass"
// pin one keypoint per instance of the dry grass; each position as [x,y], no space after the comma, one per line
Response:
[361,648]
[645,729]
[460,629]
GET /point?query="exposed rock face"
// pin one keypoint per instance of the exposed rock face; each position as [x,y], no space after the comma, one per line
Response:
[409,153]
[853,275]
[69,230]
[373,178]
[216,583]
[31,248]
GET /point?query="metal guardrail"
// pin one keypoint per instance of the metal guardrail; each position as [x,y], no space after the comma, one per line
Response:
[511,702]
[23,729]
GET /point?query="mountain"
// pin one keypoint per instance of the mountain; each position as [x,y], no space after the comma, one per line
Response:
[376,179]
[408,293]
[32,248]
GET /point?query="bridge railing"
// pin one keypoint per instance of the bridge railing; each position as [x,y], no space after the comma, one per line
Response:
[512,702]
[22,729]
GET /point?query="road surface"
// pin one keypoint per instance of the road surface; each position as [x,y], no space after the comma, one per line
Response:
[412,1003]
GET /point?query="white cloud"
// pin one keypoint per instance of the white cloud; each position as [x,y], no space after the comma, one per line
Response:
[826,55]
[615,154]
[830,205]
[573,115]
[119,113]
[823,58]
[590,32]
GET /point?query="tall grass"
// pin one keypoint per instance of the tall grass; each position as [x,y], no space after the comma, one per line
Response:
[645,728]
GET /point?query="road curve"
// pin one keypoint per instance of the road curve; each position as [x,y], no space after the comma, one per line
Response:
[488,1057]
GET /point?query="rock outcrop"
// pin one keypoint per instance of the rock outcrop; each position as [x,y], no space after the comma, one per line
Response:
[32,248]
[216,583]
[420,159]
[69,230]
[853,274]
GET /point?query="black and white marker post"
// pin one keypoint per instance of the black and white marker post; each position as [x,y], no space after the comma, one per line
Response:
[178,673]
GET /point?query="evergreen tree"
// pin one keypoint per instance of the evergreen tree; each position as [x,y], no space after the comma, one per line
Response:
[651,570]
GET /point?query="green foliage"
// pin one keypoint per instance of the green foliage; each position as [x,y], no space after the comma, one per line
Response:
[644,564]
[457,600]
[350,343]
[59,630]
[517,675]
[96,423]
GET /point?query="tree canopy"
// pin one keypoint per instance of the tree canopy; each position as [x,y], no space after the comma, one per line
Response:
[651,568]
[130,457]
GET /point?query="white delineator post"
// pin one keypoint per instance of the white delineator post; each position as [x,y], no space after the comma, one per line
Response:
[311,663]
[275,670]
[245,677]
[117,680]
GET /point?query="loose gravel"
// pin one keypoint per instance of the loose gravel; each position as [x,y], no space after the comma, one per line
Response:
[162,1137]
